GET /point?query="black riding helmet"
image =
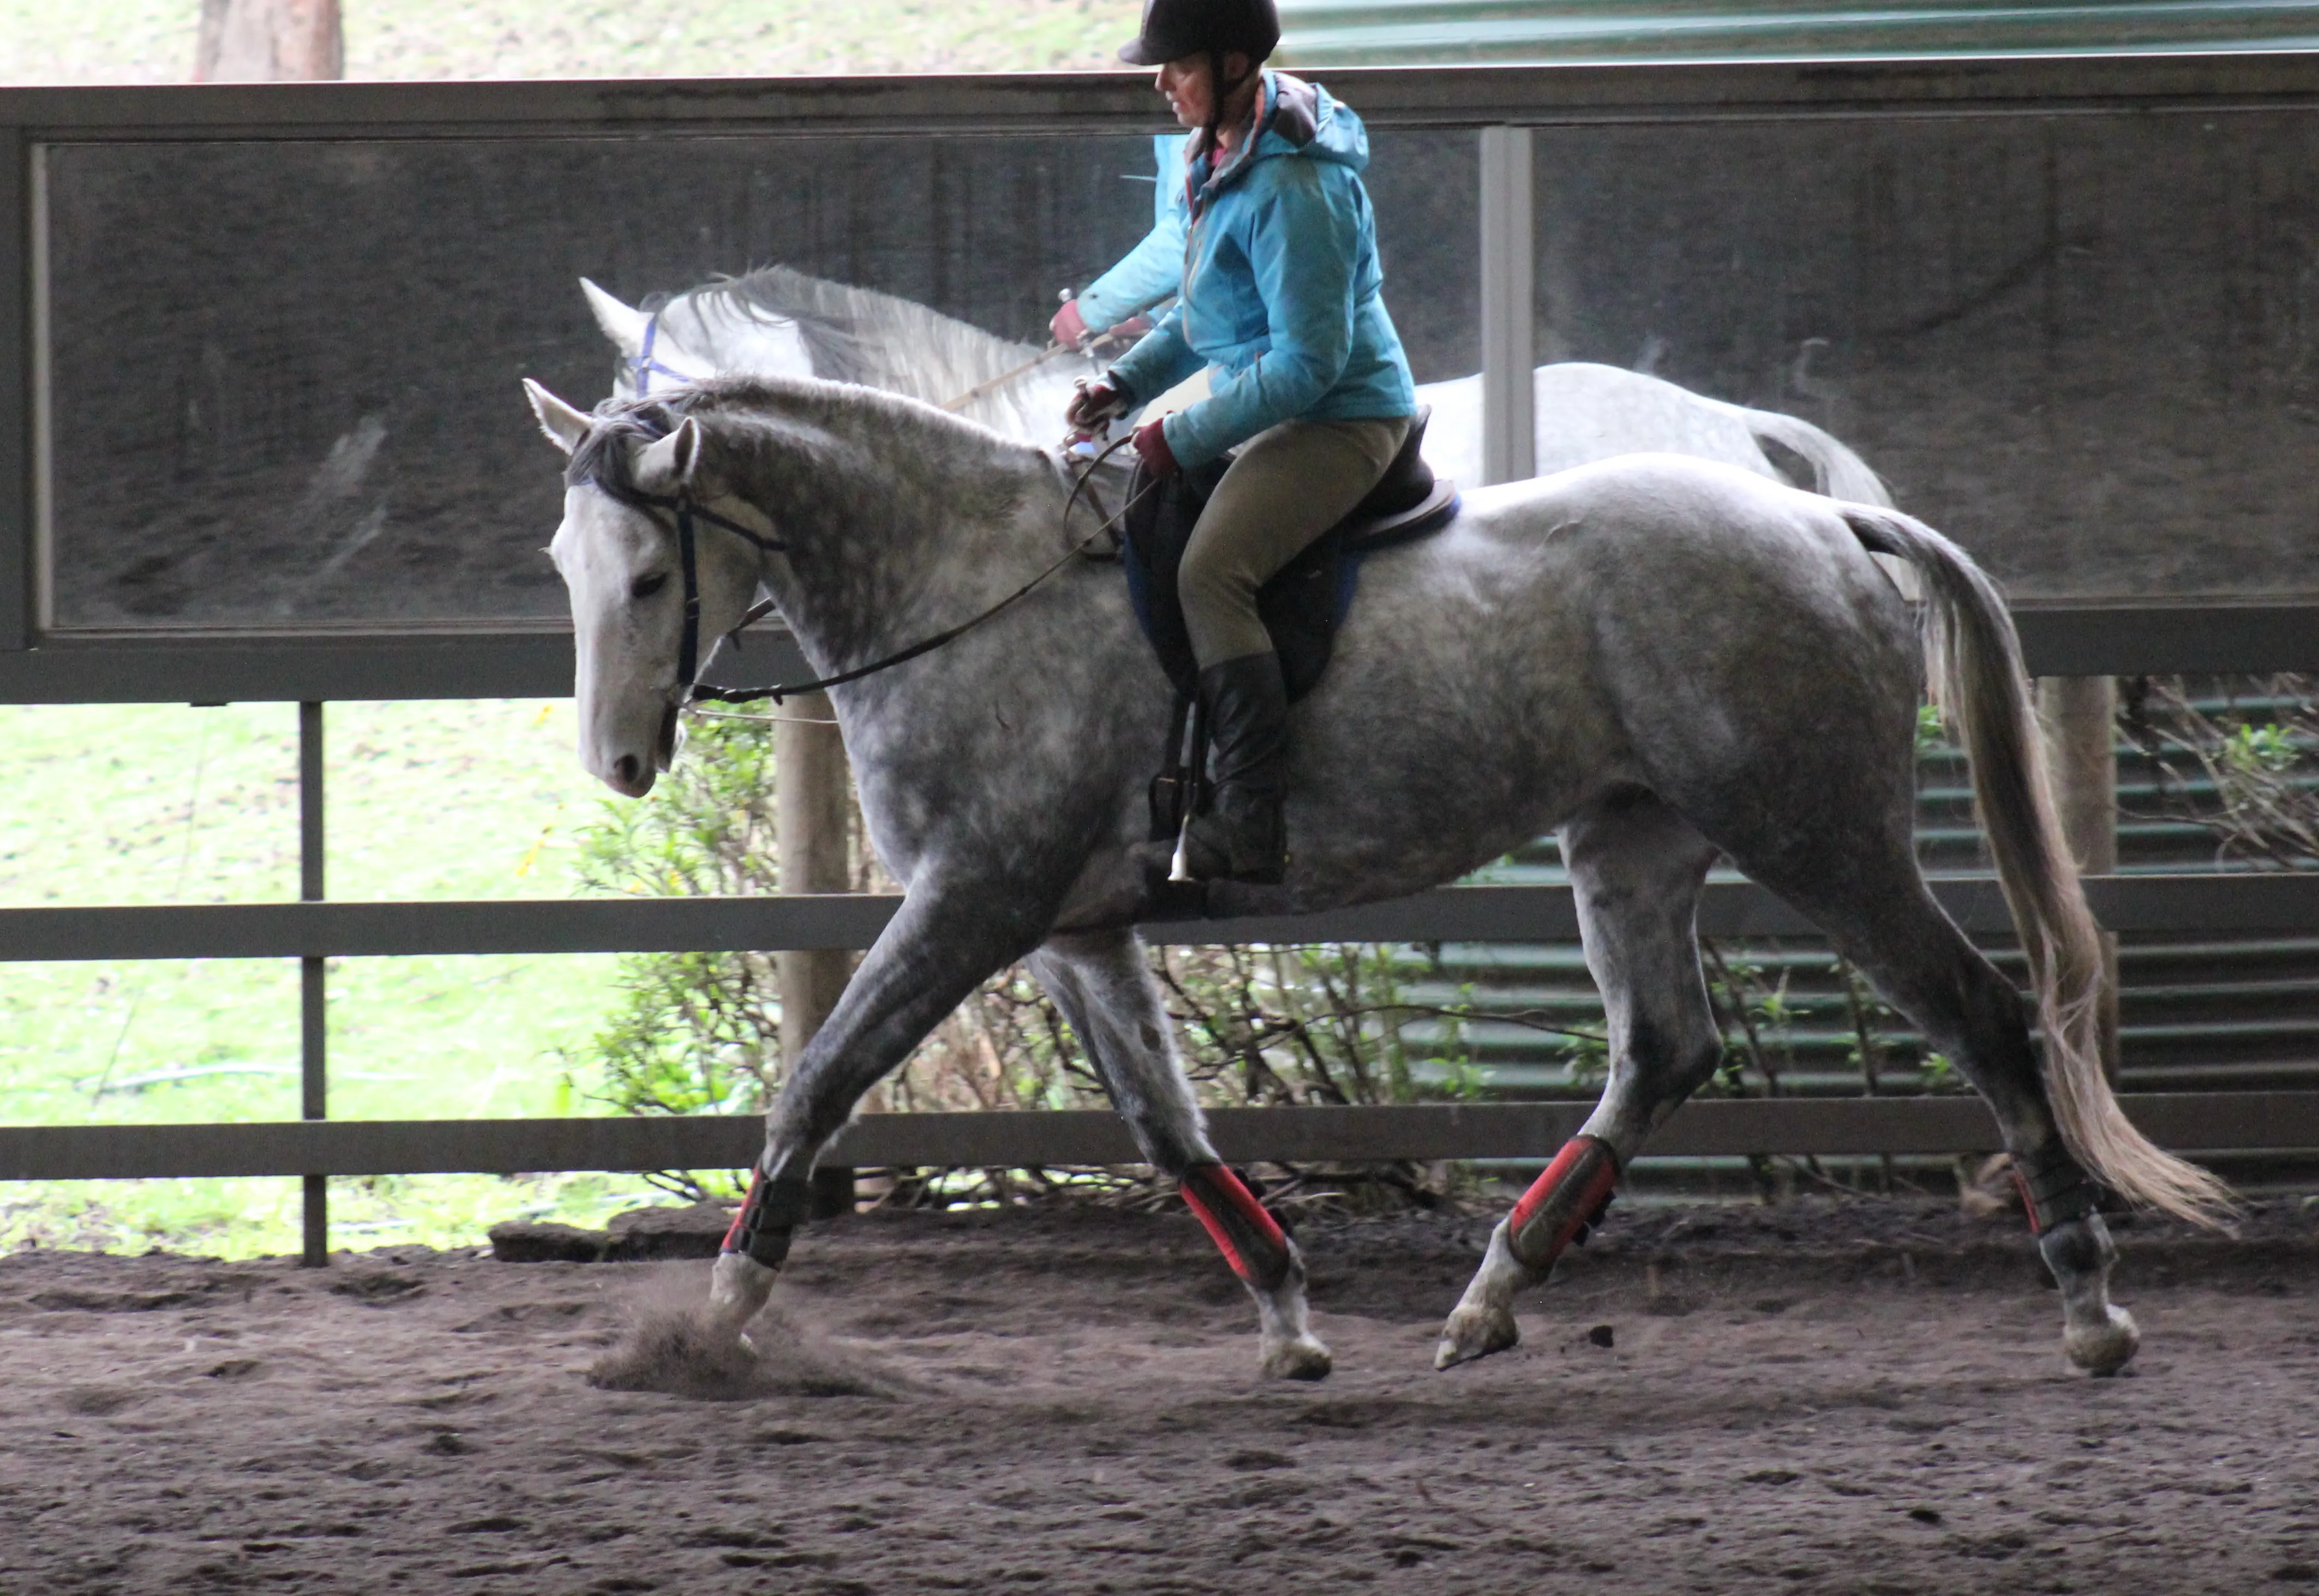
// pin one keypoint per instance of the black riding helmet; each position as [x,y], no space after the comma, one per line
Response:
[1174,29]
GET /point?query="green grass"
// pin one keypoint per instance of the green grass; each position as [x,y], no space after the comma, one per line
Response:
[152,40]
[164,804]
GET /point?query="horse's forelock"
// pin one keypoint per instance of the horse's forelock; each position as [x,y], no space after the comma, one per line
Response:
[606,456]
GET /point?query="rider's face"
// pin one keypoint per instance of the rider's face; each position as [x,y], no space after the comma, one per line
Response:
[1191,95]
[1189,83]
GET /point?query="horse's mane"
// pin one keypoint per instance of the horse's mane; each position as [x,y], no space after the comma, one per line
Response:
[948,447]
[858,335]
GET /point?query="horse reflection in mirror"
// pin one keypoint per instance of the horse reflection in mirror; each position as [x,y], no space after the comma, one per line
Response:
[777,322]
[1661,659]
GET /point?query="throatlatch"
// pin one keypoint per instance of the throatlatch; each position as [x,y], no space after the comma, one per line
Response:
[1565,1203]
[769,1217]
[2054,1189]
[1249,1239]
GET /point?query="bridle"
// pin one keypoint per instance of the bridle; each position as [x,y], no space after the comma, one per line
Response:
[689,689]
[643,367]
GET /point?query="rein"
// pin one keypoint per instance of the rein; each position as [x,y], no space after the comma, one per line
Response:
[689,688]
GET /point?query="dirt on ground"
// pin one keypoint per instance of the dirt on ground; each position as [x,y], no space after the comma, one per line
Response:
[1821,1397]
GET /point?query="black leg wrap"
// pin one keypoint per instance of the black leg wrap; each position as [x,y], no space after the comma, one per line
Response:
[2053,1188]
[769,1217]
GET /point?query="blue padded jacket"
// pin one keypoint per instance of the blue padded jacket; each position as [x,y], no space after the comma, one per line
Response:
[1280,286]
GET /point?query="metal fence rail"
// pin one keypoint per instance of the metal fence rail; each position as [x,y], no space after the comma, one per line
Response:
[2281,903]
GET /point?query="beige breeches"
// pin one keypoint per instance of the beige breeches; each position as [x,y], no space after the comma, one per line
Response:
[1289,484]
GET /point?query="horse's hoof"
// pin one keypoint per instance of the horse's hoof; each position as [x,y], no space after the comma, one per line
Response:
[1476,1331]
[2103,1348]
[738,1289]
[1303,1358]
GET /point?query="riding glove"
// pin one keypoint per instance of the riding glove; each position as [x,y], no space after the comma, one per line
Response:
[1094,404]
[1152,444]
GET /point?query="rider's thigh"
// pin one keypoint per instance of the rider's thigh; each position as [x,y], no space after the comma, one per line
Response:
[1288,485]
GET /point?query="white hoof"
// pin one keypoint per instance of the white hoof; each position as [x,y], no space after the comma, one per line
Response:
[1476,1330]
[738,1289]
[2103,1348]
[1297,1358]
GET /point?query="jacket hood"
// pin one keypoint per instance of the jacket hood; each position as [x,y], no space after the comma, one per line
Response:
[1294,118]
[1304,119]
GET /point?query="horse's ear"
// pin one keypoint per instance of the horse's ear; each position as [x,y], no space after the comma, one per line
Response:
[623,324]
[564,426]
[672,463]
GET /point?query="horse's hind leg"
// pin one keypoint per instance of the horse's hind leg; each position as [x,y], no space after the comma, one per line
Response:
[1887,923]
[1636,866]
[1098,979]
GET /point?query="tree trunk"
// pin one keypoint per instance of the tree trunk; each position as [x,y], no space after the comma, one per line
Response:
[811,810]
[269,42]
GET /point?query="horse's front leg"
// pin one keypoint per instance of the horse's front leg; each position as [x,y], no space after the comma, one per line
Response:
[1101,983]
[941,945]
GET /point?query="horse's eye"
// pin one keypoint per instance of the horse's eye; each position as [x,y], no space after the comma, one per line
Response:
[644,587]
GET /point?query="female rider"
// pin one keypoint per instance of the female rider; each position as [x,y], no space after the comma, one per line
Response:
[1279,291]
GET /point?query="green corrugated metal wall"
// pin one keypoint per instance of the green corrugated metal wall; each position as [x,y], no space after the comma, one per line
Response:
[1344,33]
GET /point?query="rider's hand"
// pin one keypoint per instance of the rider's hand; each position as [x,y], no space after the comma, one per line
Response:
[1094,404]
[1068,328]
[1152,446]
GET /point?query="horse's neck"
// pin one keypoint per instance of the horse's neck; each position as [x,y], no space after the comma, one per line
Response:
[901,522]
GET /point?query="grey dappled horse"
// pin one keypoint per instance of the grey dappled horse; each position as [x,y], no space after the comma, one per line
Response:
[1665,659]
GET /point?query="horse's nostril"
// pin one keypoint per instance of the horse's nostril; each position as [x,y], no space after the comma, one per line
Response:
[627,767]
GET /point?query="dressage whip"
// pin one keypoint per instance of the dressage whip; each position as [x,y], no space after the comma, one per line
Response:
[1053,349]
[1003,378]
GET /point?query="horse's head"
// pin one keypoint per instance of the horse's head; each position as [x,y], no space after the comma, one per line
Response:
[620,558]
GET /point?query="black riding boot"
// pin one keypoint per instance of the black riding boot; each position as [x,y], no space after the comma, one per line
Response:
[1238,837]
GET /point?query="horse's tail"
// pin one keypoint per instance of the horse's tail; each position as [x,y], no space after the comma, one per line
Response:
[1836,471]
[1982,686]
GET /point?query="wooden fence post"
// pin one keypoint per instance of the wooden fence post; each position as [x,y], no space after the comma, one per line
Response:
[811,812]
[2080,718]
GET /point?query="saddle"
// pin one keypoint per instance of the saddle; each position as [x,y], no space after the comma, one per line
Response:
[1302,607]
[1305,604]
